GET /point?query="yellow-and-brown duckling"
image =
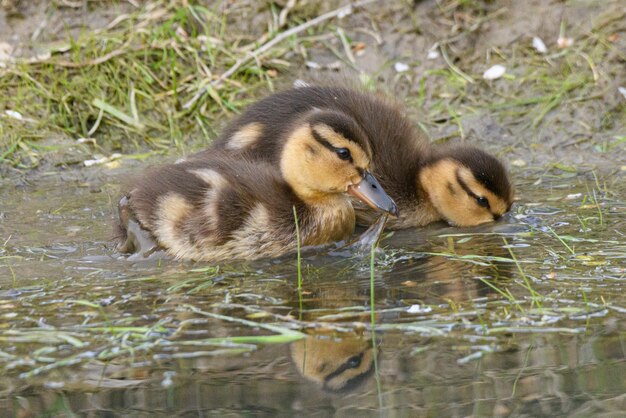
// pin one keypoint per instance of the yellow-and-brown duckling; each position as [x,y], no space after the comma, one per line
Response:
[222,206]
[462,185]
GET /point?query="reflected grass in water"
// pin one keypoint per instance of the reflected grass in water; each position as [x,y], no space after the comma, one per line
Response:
[373,325]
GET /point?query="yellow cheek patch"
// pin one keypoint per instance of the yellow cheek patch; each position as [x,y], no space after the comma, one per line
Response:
[294,160]
[245,137]
[436,178]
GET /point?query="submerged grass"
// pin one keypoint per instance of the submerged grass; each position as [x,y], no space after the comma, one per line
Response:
[373,326]
[536,298]
[299,255]
[113,340]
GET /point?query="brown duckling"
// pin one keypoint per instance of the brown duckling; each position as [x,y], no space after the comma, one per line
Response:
[462,185]
[224,206]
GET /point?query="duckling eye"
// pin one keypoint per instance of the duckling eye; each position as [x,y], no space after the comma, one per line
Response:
[343,153]
[482,201]
[354,362]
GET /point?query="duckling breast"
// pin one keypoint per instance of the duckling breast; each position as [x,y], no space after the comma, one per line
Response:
[330,222]
[260,236]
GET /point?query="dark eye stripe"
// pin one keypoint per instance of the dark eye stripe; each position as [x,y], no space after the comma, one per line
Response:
[464,185]
[343,367]
[469,191]
[319,138]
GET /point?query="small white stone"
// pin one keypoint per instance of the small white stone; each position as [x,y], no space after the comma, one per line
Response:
[89,163]
[312,64]
[433,53]
[539,45]
[622,90]
[83,140]
[494,72]
[13,114]
[401,67]
[419,309]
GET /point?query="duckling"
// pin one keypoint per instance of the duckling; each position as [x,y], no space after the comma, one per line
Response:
[462,185]
[224,206]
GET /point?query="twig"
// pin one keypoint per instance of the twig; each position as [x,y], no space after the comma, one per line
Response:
[346,46]
[71,64]
[264,48]
[282,17]
[72,4]
[453,67]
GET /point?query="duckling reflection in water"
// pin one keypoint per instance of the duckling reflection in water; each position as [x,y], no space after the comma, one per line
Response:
[462,185]
[335,365]
[222,206]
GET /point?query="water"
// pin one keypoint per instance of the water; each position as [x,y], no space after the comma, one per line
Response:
[461,328]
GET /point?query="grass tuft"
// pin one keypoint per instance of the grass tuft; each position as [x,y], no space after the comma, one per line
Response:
[148,79]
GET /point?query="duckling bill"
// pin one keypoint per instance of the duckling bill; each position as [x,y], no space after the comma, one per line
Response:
[462,185]
[223,206]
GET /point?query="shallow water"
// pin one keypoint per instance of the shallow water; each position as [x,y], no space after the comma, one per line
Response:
[461,328]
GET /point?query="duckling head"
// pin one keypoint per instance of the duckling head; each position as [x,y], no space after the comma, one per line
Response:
[466,185]
[328,154]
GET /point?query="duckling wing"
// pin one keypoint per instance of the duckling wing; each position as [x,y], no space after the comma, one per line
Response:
[215,209]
